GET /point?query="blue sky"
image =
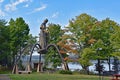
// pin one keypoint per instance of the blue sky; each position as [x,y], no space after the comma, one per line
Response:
[57,11]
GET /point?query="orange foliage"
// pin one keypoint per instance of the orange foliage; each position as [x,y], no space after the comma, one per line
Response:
[59,43]
[67,47]
[71,41]
[74,51]
[62,52]
[91,41]
[65,36]
[66,58]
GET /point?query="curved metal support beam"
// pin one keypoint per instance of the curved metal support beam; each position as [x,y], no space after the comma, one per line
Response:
[64,63]
[53,45]
[33,50]
[21,53]
[15,67]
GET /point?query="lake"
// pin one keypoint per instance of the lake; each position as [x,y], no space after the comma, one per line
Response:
[72,65]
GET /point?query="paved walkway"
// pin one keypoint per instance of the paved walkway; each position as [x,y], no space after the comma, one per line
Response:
[4,77]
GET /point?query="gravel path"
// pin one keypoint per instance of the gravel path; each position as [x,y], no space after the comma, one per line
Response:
[4,77]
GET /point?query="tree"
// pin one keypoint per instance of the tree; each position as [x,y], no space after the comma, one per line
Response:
[115,44]
[100,37]
[19,31]
[14,39]
[55,32]
[28,45]
[86,55]
[4,43]
[79,31]
[115,41]
[104,34]
[116,49]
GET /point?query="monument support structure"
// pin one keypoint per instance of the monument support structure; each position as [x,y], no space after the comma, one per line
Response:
[15,69]
[42,47]
[45,46]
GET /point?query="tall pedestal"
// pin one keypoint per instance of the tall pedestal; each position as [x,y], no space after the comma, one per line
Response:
[15,69]
[65,65]
[40,67]
[28,68]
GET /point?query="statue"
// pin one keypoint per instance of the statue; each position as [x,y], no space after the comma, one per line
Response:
[42,47]
[43,34]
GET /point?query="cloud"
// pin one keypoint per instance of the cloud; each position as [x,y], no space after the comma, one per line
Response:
[55,15]
[12,6]
[1,1]
[2,13]
[42,7]
[27,5]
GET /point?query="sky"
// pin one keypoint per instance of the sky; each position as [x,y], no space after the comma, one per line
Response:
[57,11]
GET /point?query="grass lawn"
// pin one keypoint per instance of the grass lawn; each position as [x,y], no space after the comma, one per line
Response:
[45,76]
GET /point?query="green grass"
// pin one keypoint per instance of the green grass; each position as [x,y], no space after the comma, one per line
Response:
[5,71]
[45,76]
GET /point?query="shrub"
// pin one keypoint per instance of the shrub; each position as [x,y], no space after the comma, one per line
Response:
[82,71]
[65,72]
[4,70]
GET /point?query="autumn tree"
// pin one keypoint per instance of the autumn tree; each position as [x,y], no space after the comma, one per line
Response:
[67,47]
[94,39]
[79,31]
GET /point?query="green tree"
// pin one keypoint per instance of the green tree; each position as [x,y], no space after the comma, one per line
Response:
[55,32]
[103,33]
[28,45]
[19,31]
[115,40]
[86,55]
[4,43]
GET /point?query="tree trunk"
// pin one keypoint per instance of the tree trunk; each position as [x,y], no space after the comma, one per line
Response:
[116,66]
[99,71]
[109,64]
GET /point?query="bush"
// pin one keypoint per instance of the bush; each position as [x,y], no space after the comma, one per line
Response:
[65,72]
[4,70]
[82,71]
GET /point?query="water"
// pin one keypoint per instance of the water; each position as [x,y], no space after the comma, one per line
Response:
[77,66]
[72,65]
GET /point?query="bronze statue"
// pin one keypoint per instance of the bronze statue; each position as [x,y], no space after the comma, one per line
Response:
[43,34]
[42,47]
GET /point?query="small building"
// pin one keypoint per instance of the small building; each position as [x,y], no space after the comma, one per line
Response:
[34,60]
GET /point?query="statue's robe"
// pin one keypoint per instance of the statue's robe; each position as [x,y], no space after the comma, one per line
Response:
[43,36]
